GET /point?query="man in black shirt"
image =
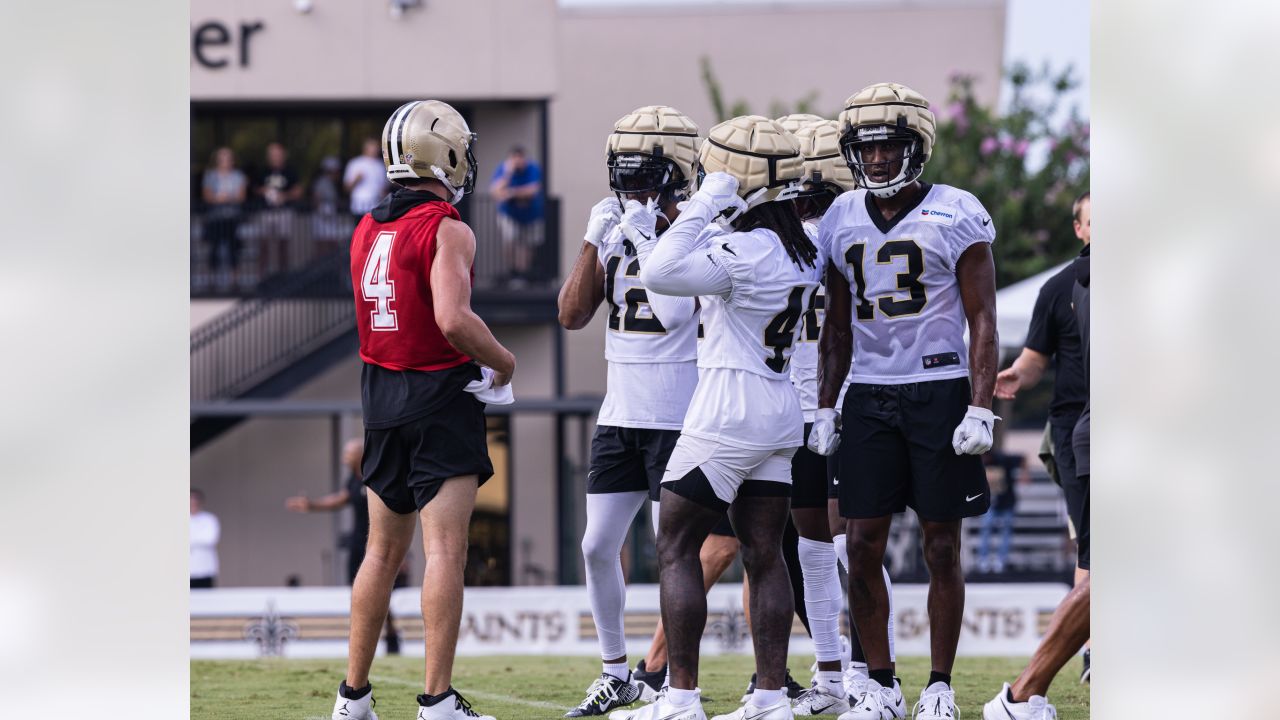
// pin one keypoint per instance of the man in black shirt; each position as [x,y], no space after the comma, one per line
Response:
[1055,335]
[353,494]
[278,190]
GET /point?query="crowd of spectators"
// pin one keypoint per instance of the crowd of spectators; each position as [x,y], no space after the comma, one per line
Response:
[288,219]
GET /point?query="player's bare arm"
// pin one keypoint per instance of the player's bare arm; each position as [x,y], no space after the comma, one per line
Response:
[1023,374]
[583,290]
[835,343]
[451,292]
[976,276]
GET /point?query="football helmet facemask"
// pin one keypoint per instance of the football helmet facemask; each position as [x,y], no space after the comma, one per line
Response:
[886,114]
[428,139]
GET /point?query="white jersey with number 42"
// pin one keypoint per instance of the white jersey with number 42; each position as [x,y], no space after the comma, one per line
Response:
[651,367]
[745,397]
[908,320]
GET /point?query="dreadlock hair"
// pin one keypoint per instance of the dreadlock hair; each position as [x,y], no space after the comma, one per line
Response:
[782,219]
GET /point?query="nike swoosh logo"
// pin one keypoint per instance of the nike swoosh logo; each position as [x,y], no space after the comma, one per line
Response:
[731,252]
[646,237]
[975,497]
[986,222]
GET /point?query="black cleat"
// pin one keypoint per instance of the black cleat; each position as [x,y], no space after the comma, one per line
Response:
[649,682]
[792,687]
[605,694]
[1084,674]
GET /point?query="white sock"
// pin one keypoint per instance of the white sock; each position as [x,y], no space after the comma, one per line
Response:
[823,599]
[609,516]
[682,698]
[842,550]
[832,681]
[618,670]
[859,669]
[765,698]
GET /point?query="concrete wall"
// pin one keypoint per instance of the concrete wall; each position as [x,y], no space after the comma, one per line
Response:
[464,49]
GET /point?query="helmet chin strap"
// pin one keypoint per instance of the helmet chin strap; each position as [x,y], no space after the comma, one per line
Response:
[444,179]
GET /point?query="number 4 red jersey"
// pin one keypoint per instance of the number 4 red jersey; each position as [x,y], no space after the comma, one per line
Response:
[391,275]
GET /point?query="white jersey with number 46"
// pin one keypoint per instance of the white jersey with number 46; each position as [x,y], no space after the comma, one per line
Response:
[908,320]
[745,397]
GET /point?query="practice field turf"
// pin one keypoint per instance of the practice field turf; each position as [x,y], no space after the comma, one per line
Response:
[511,688]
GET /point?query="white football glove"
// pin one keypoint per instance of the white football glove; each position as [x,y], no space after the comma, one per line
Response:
[604,216]
[973,434]
[720,189]
[824,436]
[639,222]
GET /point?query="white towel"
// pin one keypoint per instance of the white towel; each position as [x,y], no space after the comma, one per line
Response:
[486,393]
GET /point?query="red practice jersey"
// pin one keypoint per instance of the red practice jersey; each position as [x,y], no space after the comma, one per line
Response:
[391,275]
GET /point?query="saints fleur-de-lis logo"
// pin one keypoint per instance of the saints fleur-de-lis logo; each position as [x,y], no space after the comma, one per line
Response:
[271,632]
[730,628]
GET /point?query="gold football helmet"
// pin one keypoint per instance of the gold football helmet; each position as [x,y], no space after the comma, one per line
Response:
[428,139]
[887,113]
[759,153]
[793,122]
[825,173]
[653,149]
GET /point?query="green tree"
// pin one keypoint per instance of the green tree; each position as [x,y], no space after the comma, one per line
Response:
[1025,169]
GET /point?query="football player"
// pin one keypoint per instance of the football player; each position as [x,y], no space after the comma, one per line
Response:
[826,176]
[425,451]
[911,263]
[651,346]
[744,421]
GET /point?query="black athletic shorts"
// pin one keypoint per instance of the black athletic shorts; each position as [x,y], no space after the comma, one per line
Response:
[406,464]
[724,527]
[811,476]
[1073,489]
[629,460]
[895,452]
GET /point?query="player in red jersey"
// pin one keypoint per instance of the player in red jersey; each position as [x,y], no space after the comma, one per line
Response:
[423,349]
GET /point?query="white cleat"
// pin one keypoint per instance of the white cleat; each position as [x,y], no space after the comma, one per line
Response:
[451,707]
[1002,707]
[819,701]
[855,682]
[780,710]
[937,702]
[663,709]
[362,709]
[878,703]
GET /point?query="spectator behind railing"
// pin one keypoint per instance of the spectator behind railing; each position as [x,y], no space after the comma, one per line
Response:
[366,179]
[278,190]
[223,190]
[330,227]
[517,185]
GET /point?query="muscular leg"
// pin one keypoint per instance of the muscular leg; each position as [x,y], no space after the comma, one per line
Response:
[389,537]
[946,591]
[759,522]
[1082,576]
[868,595]
[717,554]
[444,542]
[683,527]
[609,518]
[1068,630]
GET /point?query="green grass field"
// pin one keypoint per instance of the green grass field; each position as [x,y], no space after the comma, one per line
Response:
[543,687]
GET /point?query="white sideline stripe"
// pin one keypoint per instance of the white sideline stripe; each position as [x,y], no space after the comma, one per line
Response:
[475,693]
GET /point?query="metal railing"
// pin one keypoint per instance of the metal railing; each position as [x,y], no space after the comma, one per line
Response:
[251,253]
[245,346]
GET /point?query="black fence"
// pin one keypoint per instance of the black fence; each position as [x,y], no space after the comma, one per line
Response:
[250,253]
